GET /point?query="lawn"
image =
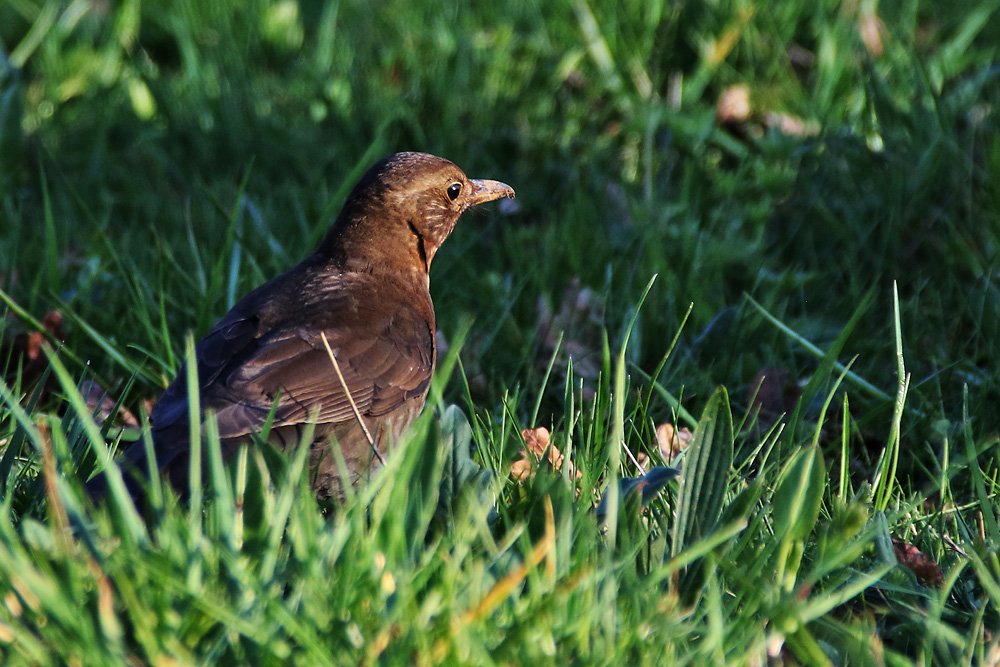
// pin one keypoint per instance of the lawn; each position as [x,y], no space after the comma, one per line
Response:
[772,231]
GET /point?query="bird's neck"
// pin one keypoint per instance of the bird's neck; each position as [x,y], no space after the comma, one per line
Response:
[361,245]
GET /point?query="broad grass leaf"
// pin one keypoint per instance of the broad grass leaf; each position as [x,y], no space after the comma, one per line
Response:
[706,469]
[460,473]
[797,499]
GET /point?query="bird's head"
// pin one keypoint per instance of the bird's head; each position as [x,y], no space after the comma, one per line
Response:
[406,206]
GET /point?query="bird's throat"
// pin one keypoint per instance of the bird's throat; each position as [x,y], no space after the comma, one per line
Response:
[421,247]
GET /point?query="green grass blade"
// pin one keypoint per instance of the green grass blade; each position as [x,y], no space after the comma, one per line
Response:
[120,499]
[885,478]
[832,353]
[617,434]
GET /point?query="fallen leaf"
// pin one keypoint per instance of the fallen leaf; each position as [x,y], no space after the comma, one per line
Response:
[871,29]
[927,570]
[537,442]
[672,441]
[735,111]
[733,105]
[791,126]
[536,439]
[773,393]
[24,352]
[520,469]
[102,404]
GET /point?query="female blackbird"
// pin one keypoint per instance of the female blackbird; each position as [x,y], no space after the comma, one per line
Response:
[366,288]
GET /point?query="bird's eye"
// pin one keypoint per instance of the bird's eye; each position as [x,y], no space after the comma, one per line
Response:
[453,191]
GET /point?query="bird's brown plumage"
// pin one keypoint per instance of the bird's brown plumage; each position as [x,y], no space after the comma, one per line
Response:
[367,289]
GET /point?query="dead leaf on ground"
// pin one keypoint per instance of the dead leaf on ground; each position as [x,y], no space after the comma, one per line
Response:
[672,441]
[24,351]
[774,393]
[872,31]
[735,111]
[791,126]
[537,442]
[927,570]
[101,404]
[733,105]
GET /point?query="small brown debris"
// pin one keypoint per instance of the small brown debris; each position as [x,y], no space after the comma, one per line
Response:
[733,105]
[871,29]
[672,441]
[791,126]
[102,404]
[642,459]
[24,351]
[537,441]
[773,393]
[928,572]
[735,112]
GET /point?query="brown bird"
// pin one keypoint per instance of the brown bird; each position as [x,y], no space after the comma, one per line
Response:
[367,289]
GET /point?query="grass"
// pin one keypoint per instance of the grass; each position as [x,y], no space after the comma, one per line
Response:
[161,159]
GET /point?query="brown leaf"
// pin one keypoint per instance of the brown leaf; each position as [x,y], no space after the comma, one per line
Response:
[101,404]
[871,29]
[536,441]
[928,572]
[791,126]
[24,351]
[745,118]
[773,393]
[520,469]
[53,323]
[672,441]
[733,105]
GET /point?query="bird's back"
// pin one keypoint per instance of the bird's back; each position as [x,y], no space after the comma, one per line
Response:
[267,353]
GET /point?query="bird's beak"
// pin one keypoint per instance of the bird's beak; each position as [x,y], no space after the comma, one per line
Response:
[484,191]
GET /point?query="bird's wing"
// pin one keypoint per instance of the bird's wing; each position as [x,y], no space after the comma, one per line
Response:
[234,338]
[242,370]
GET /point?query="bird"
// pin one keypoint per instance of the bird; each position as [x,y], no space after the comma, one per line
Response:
[364,291]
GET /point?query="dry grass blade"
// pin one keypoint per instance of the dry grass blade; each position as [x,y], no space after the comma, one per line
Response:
[350,398]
